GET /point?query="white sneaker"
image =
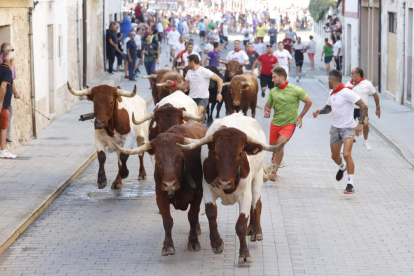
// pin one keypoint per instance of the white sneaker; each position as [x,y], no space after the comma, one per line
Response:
[367,145]
[5,154]
[297,79]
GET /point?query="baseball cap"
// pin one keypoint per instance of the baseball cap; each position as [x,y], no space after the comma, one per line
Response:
[269,45]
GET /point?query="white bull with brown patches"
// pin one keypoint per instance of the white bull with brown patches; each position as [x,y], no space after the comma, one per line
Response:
[113,108]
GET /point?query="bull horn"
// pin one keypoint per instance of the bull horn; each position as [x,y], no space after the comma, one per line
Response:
[180,67]
[194,117]
[244,63]
[246,83]
[162,84]
[221,68]
[141,120]
[195,143]
[153,76]
[223,61]
[226,84]
[138,150]
[266,147]
[83,92]
[124,93]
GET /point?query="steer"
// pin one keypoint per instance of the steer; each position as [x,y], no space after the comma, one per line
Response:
[154,79]
[113,110]
[242,93]
[178,178]
[233,68]
[233,158]
[163,90]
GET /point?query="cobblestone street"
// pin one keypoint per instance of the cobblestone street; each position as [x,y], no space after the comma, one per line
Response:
[309,226]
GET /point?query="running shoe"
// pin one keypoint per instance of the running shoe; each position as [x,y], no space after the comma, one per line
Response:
[367,145]
[263,94]
[297,79]
[349,189]
[8,140]
[340,174]
[5,154]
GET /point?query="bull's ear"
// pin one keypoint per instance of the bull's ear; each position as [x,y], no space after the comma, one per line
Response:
[245,167]
[210,168]
[252,148]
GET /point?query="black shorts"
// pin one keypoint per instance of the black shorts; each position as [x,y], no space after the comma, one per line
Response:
[272,42]
[246,41]
[357,113]
[266,80]
[328,59]
[139,53]
[202,33]
[299,62]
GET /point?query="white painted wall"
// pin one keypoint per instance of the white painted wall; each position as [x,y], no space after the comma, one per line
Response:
[350,36]
[112,7]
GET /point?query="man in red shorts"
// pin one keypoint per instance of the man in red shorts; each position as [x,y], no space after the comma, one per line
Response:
[284,99]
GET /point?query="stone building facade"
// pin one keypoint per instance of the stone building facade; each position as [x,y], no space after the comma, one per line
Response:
[59,55]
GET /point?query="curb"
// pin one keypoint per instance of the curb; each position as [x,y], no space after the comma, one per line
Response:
[397,147]
[46,203]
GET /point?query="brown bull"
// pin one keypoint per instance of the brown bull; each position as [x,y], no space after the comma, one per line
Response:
[242,94]
[154,79]
[113,110]
[163,90]
[178,177]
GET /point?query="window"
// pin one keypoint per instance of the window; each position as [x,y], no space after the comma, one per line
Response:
[392,22]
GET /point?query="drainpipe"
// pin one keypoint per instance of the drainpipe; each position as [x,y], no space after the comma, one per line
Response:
[85,27]
[359,36]
[32,73]
[103,36]
[78,44]
[379,47]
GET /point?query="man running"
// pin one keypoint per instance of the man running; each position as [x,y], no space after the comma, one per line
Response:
[327,51]
[287,43]
[173,39]
[300,48]
[198,80]
[237,54]
[261,30]
[341,103]
[213,56]
[284,58]
[284,99]
[268,63]
[202,30]
[190,51]
[363,89]
[253,55]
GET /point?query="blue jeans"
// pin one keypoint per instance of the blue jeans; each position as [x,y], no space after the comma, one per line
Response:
[131,67]
[150,67]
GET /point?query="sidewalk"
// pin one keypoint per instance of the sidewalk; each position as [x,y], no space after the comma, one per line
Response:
[46,166]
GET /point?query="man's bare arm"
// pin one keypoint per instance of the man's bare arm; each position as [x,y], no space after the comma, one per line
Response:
[255,64]
[308,104]
[363,109]
[327,109]
[3,89]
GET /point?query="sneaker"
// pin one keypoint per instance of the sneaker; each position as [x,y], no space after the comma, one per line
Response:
[367,145]
[127,77]
[170,59]
[349,189]
[8,140]
[5,154]
[138,71]
[297,79]
[340,175]
[263,94]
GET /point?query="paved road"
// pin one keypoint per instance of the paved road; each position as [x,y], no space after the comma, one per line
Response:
[310,227]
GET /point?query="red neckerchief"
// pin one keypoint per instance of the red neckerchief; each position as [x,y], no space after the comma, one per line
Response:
[355,83]
[328,44]
[250,52]
[340,87]
[283,86]
[238,50]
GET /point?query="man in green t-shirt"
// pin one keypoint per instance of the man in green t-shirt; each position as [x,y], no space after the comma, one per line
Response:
[327,50]
[284,99]
[211,25]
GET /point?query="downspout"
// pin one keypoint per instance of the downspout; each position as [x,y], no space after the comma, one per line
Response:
[32,73]
[359,36]
[103,36]
[379,48]
[84,27]
[78,44]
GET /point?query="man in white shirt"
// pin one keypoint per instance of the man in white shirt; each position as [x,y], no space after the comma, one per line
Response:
[209,47]
[259,47]
[291,34]
[185,28]
[246,32]
[284,57]
[173,38]
[197,49]
[341,103]
[311,52]
[198,80]
[338,53]
[238,54]
[225,37]
[299,50]
[190,51]
[363,88]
